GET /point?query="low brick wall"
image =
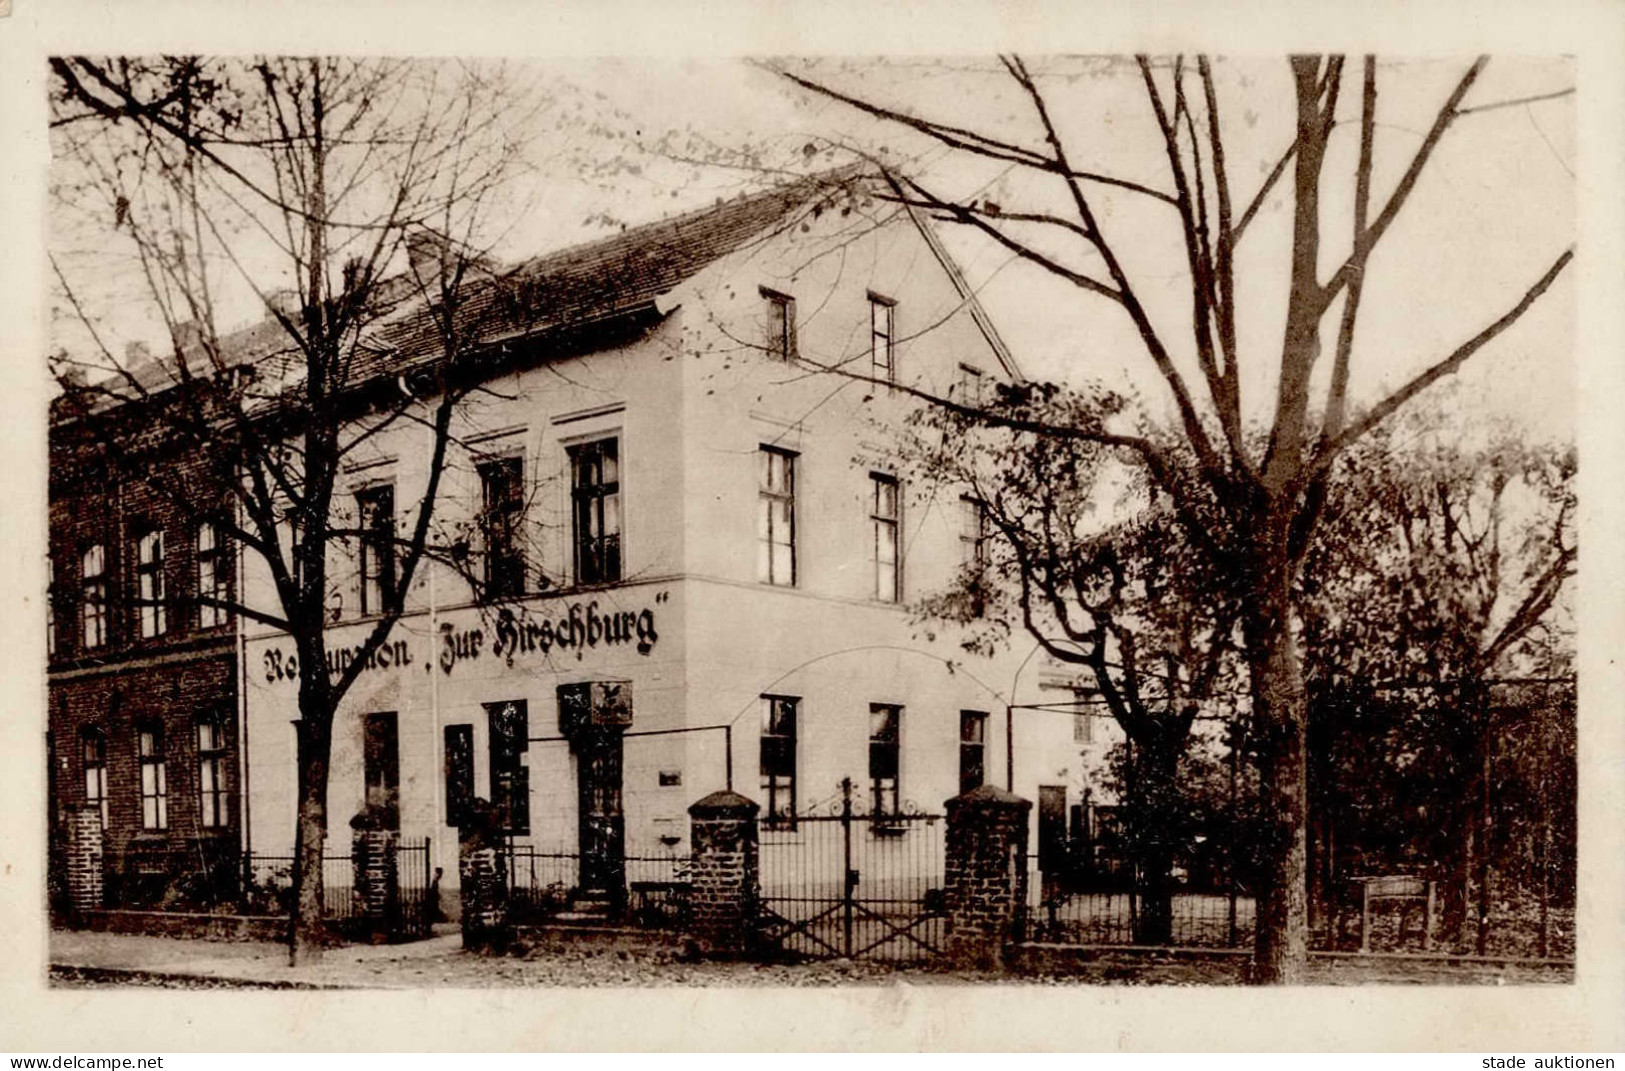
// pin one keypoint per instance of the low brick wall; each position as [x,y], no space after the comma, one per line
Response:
[181,924]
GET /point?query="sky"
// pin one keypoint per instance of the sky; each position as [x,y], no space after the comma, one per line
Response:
[628,140]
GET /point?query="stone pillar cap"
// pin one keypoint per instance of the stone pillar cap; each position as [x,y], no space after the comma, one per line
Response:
[988,795]
[725,802]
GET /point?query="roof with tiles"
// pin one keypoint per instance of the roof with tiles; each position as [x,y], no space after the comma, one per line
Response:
[577,285]
[601,278]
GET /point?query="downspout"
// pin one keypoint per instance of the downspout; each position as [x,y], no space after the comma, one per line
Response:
[437,845]
[245,835]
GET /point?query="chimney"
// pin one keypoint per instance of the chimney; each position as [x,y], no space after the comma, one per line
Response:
[285,301]
[426,252]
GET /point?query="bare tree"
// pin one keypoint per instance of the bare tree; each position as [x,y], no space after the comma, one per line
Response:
[346,197]
[1249,498]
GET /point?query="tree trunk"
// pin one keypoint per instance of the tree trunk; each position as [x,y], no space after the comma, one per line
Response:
[1158,808]
[308,933]
[1280,715]
[1155,924]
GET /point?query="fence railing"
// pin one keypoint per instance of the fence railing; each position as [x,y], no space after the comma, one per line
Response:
[268,888]
[1117,914]
[268,885]
[543,882]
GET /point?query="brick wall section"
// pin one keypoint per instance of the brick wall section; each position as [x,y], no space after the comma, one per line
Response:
[84,863]
[726,888]
[373,854]
[173,678]
[483,870]
[117,701]
[986,878]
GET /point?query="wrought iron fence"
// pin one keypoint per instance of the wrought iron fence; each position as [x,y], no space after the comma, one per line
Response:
[543,883]
[837,882]
[268,885]
[268,889]
[1118,916]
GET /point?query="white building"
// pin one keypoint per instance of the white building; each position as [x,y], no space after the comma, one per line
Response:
[684,515]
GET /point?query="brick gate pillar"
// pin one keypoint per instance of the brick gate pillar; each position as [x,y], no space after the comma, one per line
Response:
[726,888]
[84,858]
[377,877]
[482,869]
[986,874]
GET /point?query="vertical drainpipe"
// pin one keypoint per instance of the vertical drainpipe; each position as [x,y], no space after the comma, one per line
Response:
[438,744]
[245,834]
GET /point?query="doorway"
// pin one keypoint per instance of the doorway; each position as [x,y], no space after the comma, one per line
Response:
[602,824]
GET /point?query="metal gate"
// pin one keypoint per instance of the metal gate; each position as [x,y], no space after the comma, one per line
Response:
[417,895]
[854,884]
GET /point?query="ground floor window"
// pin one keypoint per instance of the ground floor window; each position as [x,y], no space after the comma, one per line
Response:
[509,731]
[154,782]
[972,749]
[381,767]
[885,736]
[778,760]
[459,773]
[211,775]
[93,745]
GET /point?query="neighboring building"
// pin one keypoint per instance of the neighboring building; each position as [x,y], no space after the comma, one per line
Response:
[142,681]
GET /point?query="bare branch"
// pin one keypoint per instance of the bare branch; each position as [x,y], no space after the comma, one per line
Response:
[1385,408]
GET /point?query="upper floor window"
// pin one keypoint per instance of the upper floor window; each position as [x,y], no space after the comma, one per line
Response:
[501,517]
[212,589]
[211,774]
[882,337]
[973,550]
[154,782]
[93,585]
[885,745]
[778,760]
[972,749]
[1083,723]
[781,324]
[970,388]
[776,517]
[93,754]
[883,515]
[149,573]
[595,493]
[375,508]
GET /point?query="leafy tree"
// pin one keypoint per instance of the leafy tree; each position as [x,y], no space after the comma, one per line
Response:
[1441,570]
[1131,602]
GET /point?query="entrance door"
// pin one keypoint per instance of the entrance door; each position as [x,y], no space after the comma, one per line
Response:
[603,827]
[1052,853]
